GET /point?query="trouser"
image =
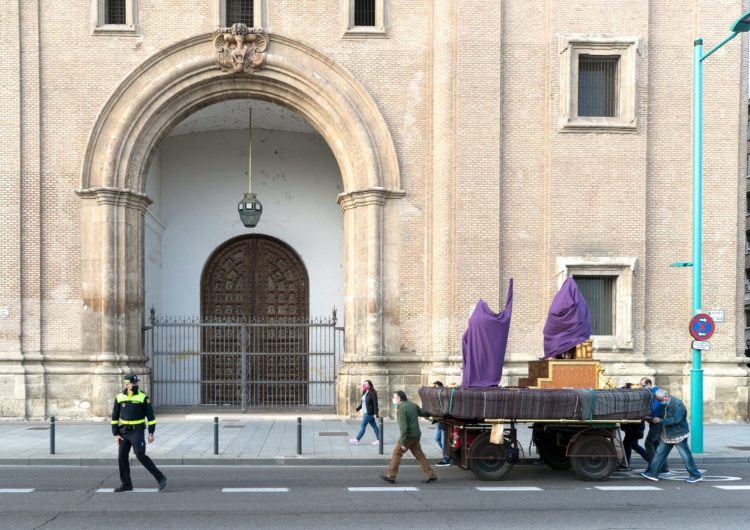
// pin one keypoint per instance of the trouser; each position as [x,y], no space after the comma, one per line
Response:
[652,442]
[411,444]
[136,440]
[662,452]
[630,444]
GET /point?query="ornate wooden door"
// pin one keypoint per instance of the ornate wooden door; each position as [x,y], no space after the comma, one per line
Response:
[261,281]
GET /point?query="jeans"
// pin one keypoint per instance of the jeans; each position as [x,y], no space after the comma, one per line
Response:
[662,452]
[440,435]
[367,419]
[652,442]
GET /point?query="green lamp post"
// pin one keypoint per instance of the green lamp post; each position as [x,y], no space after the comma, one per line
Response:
[741,25]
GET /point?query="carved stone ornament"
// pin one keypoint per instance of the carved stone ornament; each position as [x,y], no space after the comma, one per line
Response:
[240,49]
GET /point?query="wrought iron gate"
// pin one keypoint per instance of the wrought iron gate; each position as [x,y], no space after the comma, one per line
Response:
[278,364]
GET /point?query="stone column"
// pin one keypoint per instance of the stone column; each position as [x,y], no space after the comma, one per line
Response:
[366,304]
[112,263]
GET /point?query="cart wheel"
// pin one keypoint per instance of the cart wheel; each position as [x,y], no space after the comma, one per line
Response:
[487,460]
[593,457]
[552,454]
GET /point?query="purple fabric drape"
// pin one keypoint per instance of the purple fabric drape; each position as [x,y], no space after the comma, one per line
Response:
[484,343]
[568,321]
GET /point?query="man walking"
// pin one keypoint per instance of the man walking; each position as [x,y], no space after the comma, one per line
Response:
[132,408]
[652,438]
[408,423]
[674,434]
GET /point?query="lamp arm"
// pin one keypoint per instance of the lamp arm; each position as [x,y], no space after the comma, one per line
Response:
[722,43]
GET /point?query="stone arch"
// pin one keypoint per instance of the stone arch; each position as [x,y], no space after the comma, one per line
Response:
[159,94]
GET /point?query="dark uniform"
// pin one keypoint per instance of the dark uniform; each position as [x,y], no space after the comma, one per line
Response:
[129,417]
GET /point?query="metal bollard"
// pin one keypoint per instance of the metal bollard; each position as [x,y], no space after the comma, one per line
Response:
[52,435]
[216,435]
[380,445]
[299,436]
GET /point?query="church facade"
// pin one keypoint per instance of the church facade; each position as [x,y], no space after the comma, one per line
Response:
[411,157]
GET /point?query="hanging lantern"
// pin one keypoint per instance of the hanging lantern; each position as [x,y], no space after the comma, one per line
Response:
[250,207]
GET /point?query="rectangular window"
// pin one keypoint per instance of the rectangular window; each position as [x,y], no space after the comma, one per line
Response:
[364,12]
[747,242]
[748,165]
[599,293]
[239,11]
[597,86]
[115,12]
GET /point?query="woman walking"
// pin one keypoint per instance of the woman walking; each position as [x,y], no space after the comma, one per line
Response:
[369,407]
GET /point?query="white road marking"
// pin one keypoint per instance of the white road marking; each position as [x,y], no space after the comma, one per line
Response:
[733,487]
[500,488]
[134,490]
[16,490]
[628,488]
[384,488]
[255,490]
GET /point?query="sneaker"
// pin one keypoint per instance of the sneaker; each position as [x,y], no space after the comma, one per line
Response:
[443,463]
[354,441]
[622,468]
[376,442]
[646,475]
[693,480]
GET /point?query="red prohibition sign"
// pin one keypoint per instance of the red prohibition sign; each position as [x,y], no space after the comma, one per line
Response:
[702,327]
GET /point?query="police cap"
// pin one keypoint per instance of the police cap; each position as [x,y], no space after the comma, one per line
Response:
[131,378]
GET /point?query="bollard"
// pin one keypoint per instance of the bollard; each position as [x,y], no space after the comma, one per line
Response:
[216,435]
[380,445]
[299,436]
[52,435]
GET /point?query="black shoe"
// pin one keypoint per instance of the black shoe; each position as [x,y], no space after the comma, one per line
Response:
[443,463]
[162,483]
[622,468]
[388,479]
[124,487]
[428,480]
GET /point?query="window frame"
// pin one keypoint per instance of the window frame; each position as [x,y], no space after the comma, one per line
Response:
[623,268]
[378,31]
[129,29]
[627,50]
[259,13]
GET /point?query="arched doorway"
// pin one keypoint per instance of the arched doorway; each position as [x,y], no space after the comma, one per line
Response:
[259,281]
[158,95]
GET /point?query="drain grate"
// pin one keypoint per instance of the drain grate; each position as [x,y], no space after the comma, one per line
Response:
[233,426]
[333,433]
[37,429]
[739,448]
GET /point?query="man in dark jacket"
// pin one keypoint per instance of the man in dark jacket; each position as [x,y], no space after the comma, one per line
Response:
[132,409]
[652,438]
[674,433]
[408,423]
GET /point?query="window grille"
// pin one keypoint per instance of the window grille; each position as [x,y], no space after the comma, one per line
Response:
[239,11]
[599,293]
[364,12]
[597,86]
[115,12]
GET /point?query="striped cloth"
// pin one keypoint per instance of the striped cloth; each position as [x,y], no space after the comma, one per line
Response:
[523,403]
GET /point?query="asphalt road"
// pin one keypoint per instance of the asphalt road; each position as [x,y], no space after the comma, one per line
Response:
[71,497]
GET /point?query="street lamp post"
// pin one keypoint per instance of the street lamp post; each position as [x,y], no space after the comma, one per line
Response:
[741,25]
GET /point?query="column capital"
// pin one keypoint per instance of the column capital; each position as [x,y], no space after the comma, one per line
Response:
[117,197]
[367,197]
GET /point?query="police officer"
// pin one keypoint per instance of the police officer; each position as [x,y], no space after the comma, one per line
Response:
[132,408]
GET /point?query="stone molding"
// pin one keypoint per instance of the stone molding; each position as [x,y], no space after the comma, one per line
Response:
[371,196]
[117,197]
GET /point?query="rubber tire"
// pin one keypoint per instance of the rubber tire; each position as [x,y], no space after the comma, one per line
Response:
[552,454]
[593,468]
[491,463]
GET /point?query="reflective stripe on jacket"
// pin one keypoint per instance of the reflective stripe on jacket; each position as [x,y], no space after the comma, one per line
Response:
[133,410]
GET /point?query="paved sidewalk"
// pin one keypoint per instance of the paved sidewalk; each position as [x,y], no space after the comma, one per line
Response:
[269,439]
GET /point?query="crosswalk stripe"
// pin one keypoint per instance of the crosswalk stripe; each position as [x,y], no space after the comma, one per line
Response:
[16,490]
[134,490]
[733,487]
[255,490]
[384,488]
[628,488]
[501,488]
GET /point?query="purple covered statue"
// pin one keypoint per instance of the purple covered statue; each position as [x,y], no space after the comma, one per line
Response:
[484,343]
[568,321]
